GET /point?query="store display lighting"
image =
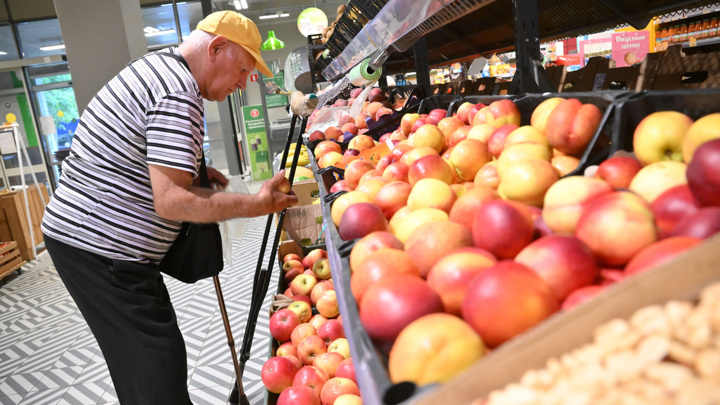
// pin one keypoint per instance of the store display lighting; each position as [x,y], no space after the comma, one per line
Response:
[268,16]
[52,47]
[3,53]
[240,4]
[272,43]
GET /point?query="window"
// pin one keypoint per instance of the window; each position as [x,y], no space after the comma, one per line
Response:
[40,38]
[8,49]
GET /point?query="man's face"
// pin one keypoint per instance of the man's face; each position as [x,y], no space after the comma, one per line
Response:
[231,66]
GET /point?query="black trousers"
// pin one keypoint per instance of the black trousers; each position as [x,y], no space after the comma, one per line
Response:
[128,310]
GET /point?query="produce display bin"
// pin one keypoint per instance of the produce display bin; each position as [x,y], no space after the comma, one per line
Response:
[632,109]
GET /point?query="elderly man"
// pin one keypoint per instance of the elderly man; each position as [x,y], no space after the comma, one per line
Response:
[125,189]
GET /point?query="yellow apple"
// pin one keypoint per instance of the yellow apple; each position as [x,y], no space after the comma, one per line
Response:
[703,130]
[527,181]
[659,136]
[655,178]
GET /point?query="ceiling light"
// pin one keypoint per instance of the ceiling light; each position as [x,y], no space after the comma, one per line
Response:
[3,53]
[156,33]
[150,30]
[244,4]
[52,47]
[284,15]
[240,4]
[267,16]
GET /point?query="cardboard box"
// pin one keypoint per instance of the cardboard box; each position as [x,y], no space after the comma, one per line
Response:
[304,224]
[14,224]
[680,71]
[589,78]
[306,191]
[681,278]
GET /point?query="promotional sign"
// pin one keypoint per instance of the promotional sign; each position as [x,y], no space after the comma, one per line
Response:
[257,139]
[311,21]
[629,48]
[277,81]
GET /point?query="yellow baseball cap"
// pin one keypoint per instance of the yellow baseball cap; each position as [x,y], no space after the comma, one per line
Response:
[238,29]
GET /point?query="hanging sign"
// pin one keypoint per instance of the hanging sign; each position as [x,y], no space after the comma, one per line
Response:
[312,21]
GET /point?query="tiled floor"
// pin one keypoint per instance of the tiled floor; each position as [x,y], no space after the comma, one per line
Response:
[48,355]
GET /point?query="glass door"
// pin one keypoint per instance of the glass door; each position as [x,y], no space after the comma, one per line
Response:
[56,109]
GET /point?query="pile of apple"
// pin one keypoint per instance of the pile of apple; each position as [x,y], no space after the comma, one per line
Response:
[312,365]
[376,106]
[454,257]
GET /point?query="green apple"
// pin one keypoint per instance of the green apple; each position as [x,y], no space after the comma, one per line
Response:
[659,136]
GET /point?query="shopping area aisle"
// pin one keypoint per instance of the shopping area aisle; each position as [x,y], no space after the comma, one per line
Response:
[48,355]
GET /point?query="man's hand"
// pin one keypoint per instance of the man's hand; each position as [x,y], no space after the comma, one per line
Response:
[275,199]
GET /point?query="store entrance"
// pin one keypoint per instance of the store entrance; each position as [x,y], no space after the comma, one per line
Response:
[55,109]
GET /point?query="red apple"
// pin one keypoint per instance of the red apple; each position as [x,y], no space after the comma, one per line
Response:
[327,304]
[316,135]
[407,122]
[571,125]
[581,295]
[330,330]
[309,348]
[345,119]
[391,197]
[333,132]
[671,206]
[702,224]
[564,262]
[278,373]
[496,143]
[417,124]
[505,300]
[328,362]
[463,111]
[282,324]
[335,387]
[430,166]
[448,125]
[659,252]
[292,264]
[474,110]
[377,265]
[371,243]
[616,226]
[346,369]
[290,276]
[702,173]
[325,147]
[503,228]
[433,240]
[303,284]
[301,332]
[466,206]
[286,349]
[361,219]
[298,395]
[394,302]
[291,256]
[313,256]
[459,135]
[340,185]
[355,170]
[319,289]
[301,297]
[396,171]
[451,275]
[618,171]
[312,377]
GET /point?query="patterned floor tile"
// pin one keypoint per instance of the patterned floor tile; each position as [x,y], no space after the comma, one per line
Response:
[44,397]
[60,377]
[10,400]
[48,351]
[20,384]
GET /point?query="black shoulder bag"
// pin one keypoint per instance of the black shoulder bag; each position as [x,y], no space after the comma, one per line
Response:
[197,251]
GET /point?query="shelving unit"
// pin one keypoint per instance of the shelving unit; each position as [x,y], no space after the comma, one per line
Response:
[415,35]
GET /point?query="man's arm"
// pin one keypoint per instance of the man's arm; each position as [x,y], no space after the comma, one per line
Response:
[176,198]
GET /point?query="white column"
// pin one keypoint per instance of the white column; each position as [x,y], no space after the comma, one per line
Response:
[101,37]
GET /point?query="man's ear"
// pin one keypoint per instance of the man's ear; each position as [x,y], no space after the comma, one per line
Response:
[216,45]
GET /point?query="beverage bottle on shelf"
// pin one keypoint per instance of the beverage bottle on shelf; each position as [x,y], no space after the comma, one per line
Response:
[673,34]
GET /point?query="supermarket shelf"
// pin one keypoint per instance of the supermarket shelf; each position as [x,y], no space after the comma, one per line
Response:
[464,30]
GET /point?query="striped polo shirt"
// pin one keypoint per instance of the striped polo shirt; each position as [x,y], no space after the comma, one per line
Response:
[150,113]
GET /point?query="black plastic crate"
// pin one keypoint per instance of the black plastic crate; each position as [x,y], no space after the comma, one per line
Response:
[599,148]
[631,110]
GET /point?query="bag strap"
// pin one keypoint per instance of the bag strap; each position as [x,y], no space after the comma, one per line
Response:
[202,172]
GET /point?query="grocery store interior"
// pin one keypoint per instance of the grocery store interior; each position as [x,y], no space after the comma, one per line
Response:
[570,80]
